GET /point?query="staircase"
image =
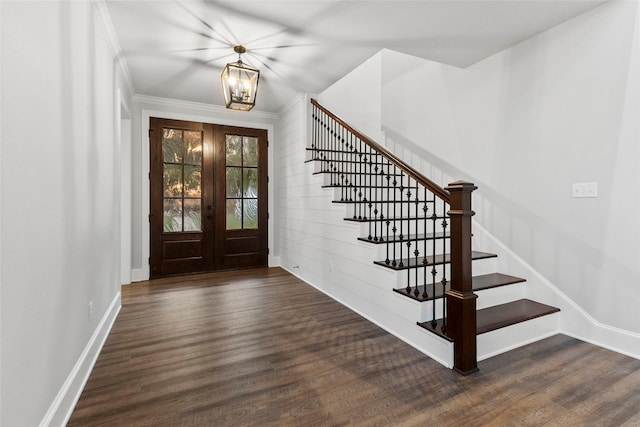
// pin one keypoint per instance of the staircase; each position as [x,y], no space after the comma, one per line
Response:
[422,232]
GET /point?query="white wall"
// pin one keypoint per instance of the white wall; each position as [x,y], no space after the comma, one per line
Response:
[525,124]
[145,107]
[60,236]
[357,98]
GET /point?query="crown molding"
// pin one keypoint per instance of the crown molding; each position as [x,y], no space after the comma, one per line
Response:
[201,107]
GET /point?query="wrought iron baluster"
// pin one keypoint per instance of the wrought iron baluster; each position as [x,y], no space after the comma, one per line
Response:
[434,271]
[388,221]
[377,199]
[416,252]
[425,210]
[444,274]
[352,166]
[361,179]
[408,236]
[401,263]
[395,216]
[334,154]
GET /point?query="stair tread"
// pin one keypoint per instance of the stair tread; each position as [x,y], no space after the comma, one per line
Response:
[494,280]
[385,202]
[358,186]
[411,237]
[479,283]
[361,173]
[420,218]
[413,263]
[499,316]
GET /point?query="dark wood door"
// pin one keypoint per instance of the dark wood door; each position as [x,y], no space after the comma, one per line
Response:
[208,187]
[241,192]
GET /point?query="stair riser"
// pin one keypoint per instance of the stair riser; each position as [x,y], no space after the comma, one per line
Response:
[499,295]
[381,251]
[502,340]
[358,211]
[360,192]
[427,309]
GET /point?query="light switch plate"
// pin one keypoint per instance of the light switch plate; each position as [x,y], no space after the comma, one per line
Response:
[584,189]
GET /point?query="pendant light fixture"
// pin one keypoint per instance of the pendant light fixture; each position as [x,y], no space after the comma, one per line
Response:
[240,83]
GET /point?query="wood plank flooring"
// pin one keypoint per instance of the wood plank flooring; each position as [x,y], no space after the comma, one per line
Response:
[262,348]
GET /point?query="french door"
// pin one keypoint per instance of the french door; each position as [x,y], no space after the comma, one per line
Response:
[208,187]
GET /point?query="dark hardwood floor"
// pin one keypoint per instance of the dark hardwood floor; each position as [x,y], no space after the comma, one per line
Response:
[262,348]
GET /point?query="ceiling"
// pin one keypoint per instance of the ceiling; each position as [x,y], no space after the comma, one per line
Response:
[177,48]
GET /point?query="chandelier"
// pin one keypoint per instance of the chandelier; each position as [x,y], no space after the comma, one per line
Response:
[239,83]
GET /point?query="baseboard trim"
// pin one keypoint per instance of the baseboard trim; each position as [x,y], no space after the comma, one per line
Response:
[138,275]
[62,406]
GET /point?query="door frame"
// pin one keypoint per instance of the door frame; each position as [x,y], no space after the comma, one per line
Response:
[216,116]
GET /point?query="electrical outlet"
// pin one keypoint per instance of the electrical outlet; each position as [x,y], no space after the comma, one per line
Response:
[584,189]
[90,310]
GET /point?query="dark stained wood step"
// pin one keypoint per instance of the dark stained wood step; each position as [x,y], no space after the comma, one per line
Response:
[378,219]
[430,260]
[381,174]
[411,237]
[354,162]
[499,316]
[358,186]
[494,280]
[384,202]
[479,283]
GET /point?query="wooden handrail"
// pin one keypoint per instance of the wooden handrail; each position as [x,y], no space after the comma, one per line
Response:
[421,179]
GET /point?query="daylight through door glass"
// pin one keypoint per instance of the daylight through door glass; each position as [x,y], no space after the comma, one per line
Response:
[241,182]
[182,180]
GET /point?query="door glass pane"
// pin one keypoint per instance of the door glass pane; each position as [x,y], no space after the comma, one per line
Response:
[192,215]
[233,149]
[234,214]
[234,182]
[182,180]
[250,213]
[193,147]
[172,215]
[250,182]
[172,177]
[192,181]
[172,146]
[250,151]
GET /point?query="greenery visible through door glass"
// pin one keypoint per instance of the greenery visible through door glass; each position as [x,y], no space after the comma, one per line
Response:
[192,181]
[234,214]
[182,180]
[250,151]
[241,182]
[233,151]
[172,211]
[172,146]
[193,147]
[192,215]
[250,182]
[172,177]
[250,213]
[234,182]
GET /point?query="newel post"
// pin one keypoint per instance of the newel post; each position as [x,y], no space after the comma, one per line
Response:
[461,301]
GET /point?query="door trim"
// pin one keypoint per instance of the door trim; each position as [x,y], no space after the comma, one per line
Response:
[219,116]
